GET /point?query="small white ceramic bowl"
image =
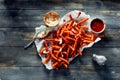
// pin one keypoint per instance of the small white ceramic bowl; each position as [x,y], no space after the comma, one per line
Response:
[97,26]
[51,18]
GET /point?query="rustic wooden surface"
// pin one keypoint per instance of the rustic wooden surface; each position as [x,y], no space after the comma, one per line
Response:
[18,18]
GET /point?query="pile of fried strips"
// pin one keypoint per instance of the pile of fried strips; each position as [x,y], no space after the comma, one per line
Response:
[66,42]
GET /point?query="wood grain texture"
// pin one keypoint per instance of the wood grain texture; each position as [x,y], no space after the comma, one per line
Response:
[34,18]
[18,18]
[39,73]
[18,37]
[21,58]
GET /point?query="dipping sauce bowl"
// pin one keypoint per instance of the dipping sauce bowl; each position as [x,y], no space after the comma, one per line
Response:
[97,25]
[51,19]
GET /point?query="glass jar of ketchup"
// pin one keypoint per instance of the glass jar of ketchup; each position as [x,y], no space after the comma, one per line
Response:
[97,25]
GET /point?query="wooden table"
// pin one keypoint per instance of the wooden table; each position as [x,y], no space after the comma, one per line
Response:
[18,18]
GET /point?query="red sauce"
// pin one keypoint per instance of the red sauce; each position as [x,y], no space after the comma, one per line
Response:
[97,25]
[64,20]
[70,16]
[78,14]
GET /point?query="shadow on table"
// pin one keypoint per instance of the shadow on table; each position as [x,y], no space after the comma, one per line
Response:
[118,1]
[103,71]
[62,73]
[104,42]
[59,74]
[33,4]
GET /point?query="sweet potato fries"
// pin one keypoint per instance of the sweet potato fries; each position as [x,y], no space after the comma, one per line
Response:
[66,42]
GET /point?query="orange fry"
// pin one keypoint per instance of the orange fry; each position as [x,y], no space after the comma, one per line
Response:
[66,61]
[41,51]
[47,59]
[82,21]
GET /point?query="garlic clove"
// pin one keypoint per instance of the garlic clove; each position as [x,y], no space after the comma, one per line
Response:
[100,59]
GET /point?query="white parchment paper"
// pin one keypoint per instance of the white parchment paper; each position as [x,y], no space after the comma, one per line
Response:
[74,14]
